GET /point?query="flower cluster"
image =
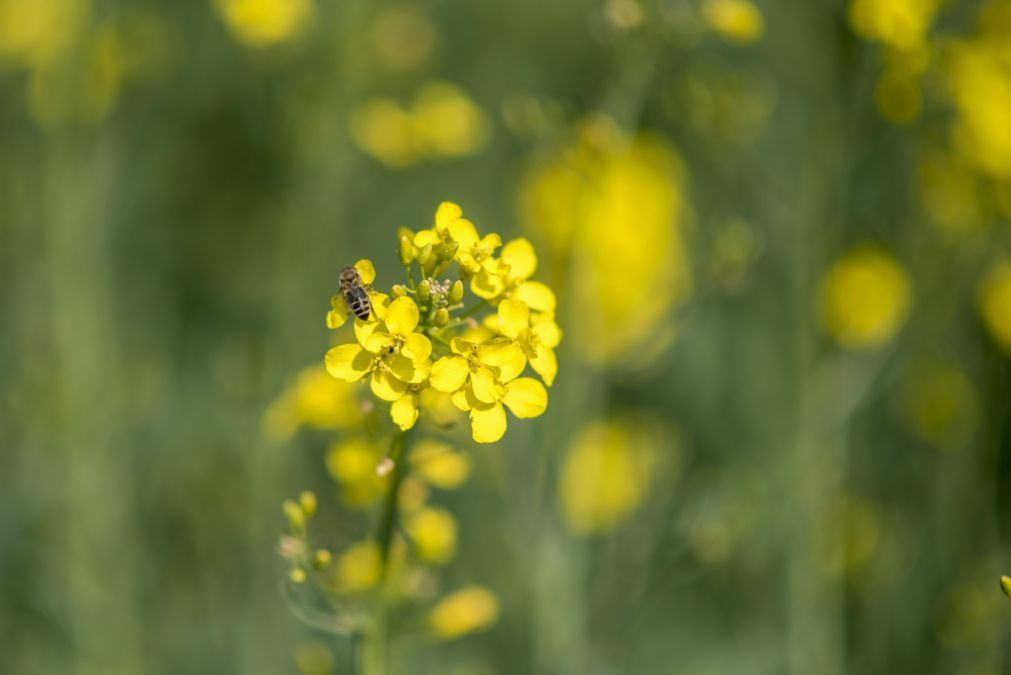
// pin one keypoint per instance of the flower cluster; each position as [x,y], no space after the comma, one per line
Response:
[420,340]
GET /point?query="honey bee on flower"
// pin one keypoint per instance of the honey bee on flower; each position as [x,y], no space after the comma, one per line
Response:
[409,343]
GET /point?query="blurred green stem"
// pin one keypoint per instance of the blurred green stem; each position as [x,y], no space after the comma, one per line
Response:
[375,643]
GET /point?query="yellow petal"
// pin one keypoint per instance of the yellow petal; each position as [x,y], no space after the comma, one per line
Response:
[513,318]
[425,237]
[487,285]
[463,233]
[536,295]
[402,316]
[449,373]
[545,364]
[401,367]
[461,346]
[417,347]
[526,397]
[547,330]
[461,400]
[505,356]
[380,301]
[447,213]
[387,387]
[422,371]
[366,270]
[489,424]
[486,389]
[348,362]
[519,255]
[404,411]
[335,319]
[490,242]
[364,329]
[378,342]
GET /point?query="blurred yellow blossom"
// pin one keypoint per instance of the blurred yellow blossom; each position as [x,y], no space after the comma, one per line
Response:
[979,79]
[737,21]
[941,404]
[864,298]
[442,121]
[606,474]
[34,33]
[465,611]
[614,209]
[850,535]
[314,658]
[901,24]
[948,191]
[358,567]
[313,399]
[352,463]
[403,36]
[433,531]
[439,464]
[995,303]
[262,23]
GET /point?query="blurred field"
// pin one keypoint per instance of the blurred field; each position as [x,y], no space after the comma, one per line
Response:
[780,437]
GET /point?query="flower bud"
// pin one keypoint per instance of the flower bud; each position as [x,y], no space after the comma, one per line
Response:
[441,317]
[398,291]
[424,254]
[321,558]
[307,500]
[448,251]
[424,290]
[1005,585]
[456,293]
[297,575]
[294,513]
[406,251]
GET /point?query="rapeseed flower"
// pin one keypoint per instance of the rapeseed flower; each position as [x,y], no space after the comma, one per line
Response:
[995,303]
[262,23]
[465,611]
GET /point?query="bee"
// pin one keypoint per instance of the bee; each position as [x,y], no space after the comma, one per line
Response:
[355,295]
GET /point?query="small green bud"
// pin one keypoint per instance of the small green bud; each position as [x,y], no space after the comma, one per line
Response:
[297,575]
[321,558]
[456,293]
[406,251]
[398,291]
[1005,585]
[308,502]
[424,254]
[424,290]
[441,317]
[294,514]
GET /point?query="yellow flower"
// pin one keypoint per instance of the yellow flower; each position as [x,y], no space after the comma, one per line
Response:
[865,298]
[439,465]
[738,21]
[509,277]
[394,358]
[467,610]
[995,303]
[606,475]
[383,129]
[36,33]
[537,336]
[901,24]
[433,531]
[261,23]
[483,377]
[352,463]
[339,312]
[475,253]
[357,569]
[314,399]
[615,209]
[980,85]
[447,122]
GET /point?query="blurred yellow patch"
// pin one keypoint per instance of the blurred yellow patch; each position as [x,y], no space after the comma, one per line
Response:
[352,463]
[901,24]
[263,23]
[34,33]
[949,194]
[898,98]
[737,21]
[358,568]
[403,37]
[441,122]
[467,610]
[995,303]
[864,298]
[613,208]
[968,616]
[313,399]
[606,474]
[979,80]
[433,531]
[850,536]
[439,464]
[314,658]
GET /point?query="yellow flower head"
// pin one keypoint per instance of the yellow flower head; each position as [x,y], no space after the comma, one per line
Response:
[467,610]
[314,399]
[262,23]
[439,465]
[864,298]
[737,21]
[358,568]
[536,334]
[901,24]
[433,531]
